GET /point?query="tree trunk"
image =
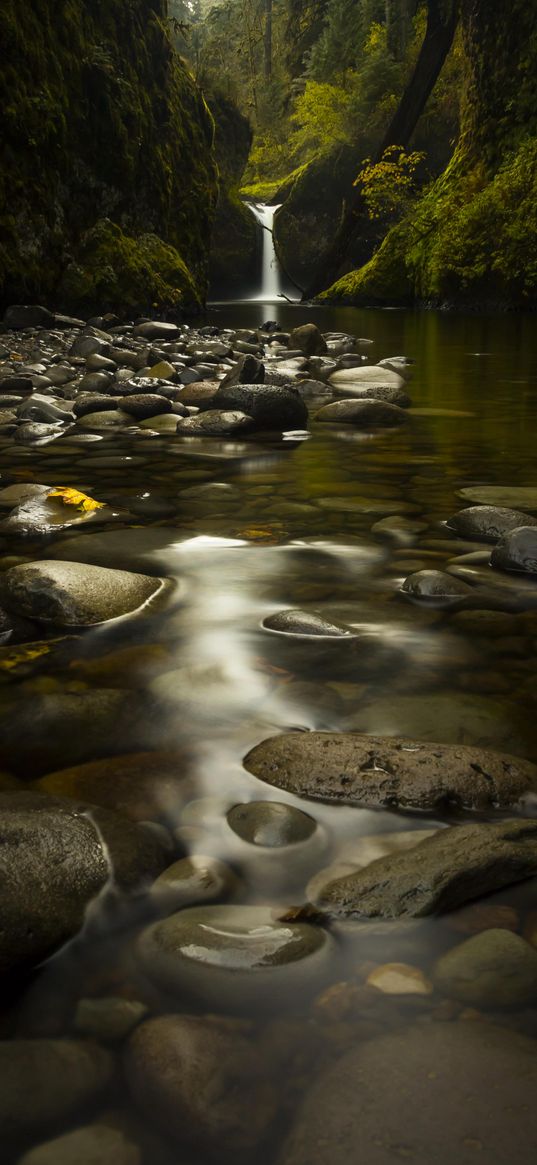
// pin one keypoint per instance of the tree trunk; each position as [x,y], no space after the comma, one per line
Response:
[437,42]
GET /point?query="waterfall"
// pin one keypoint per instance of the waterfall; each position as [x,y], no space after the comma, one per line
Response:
[271,283]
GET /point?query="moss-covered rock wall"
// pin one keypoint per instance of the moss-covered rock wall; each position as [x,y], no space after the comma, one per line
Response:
[235,251]
[107,176]
[471,241]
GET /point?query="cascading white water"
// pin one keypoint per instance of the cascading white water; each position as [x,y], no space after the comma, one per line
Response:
[271,283]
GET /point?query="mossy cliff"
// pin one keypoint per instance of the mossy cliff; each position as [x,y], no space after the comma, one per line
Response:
[471,241]
[107,176]
[235,252]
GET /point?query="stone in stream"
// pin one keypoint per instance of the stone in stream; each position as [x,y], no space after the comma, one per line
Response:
[108,1018]
[516,497]
[233,957]
[431,1093]
[270,407]
[371,376]
[435,585]
[143,405]
[157,330]
[443,872]
[308,339]
[215,423]
[193,881]
[200,1078]
[32,433]
[270,823]
[44,1082]
[362,412]
[402,365]
[104,419]
[96,1144]
[41,408]
[493,969]
[385,392]
[41,514]
[300,623]
[395,772]
[56,855]
[247,370]
[94,402]
[72,594]
[487,523]
[144,786]
[517,551]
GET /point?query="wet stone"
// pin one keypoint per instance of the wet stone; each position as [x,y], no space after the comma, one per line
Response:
[302,623]
[108,1019]
[143,405]
[435,585]
[387,771]
[269,406]
[489,523]
[270,823]
[215,423]
[517,551]
[60,1077]
[493,969]
[69,594]
[233,956]
[90,1145]
[362,412]
[194,880]
[442,873]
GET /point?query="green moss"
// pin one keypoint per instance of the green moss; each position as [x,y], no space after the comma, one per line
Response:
[385,279]
[115,272]
[261,191]
[100,117]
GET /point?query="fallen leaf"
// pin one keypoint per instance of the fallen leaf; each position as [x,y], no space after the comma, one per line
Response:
[73,497]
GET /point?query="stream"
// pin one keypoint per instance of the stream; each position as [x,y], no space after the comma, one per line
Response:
[246,528]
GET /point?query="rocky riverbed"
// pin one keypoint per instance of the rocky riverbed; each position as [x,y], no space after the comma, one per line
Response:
[268,787]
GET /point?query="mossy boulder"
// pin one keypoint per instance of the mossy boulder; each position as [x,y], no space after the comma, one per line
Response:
[114,272]
[100,119]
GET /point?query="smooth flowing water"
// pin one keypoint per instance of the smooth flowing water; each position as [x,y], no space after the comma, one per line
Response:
[272,282]
[247,529]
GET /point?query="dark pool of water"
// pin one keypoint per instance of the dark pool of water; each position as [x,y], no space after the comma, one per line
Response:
[296,530]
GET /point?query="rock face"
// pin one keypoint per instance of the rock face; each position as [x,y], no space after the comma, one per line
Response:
[406,1096]
[493,969]
[390,771]
[362,412]
[199,1078]
[60,1076]
[163,193]
[53,863]
[517,550]
[72,594]
[233,956]
[487,523]
[443,872]
[269,406]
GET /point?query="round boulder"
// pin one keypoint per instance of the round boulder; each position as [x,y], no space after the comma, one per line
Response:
[487,523]
[307,339]
[517,550]
[73,594]
[362,412]
[493,969]
[270,406]
[270,823]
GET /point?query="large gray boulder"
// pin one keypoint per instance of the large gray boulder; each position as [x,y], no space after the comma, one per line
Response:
[199,1078]
[270,406]
[46,1081]
[378,771]
[73,594]
[443,872]
[431,1094]
[487,523]
[56,855]
[517,550]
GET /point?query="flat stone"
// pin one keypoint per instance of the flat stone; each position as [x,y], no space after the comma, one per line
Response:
[233,956]
[516,497]
[440,874]
[200,1078]
[517,551]
[60,1076]
[90,1145]
[372,375]
[157,330]
[53,863]
[69,594]
[145,404]
[362,412]
[435,585]
[215,423]
[441,1092]
[389,393]
[388,771]
[493,969]
[270,823]
[90,403]
[300,623]
[487,523]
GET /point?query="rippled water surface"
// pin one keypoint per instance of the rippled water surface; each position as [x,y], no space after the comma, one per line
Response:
[295,525]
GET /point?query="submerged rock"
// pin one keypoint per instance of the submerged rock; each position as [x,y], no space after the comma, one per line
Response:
[71,594]
[192,881]
[389,771]
[199,1078]
[270,823]
[302,623]
[215,423]
[435,585]
[96,1144]
[144,786]
[442,873]
[441,1092]
[487,523]
[493,969]
[56,855]
[43,1082]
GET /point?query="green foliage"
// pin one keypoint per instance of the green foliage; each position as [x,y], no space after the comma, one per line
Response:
[388,187]
[322,118]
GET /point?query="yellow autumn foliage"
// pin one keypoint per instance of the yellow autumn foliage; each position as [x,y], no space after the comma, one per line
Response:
[74,497]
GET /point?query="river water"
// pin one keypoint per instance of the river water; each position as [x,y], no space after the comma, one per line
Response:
[294,528]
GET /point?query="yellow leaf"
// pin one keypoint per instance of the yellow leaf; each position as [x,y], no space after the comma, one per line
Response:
[73,497]
[27,654]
